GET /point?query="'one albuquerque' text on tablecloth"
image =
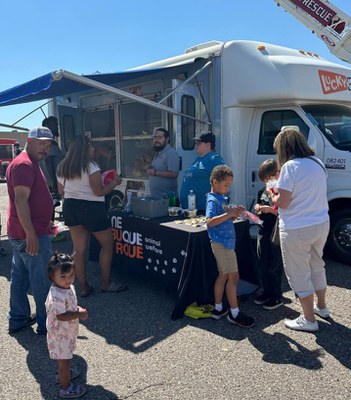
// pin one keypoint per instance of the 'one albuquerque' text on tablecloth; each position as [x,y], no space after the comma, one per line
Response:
[126,242]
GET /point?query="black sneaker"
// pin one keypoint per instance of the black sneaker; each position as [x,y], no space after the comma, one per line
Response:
[262,299]
[272,304]
[241,319]
[219,314]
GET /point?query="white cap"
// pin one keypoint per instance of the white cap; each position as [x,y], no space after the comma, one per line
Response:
[41,133]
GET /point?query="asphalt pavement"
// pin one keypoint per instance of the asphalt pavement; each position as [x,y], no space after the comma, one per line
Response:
[129,348]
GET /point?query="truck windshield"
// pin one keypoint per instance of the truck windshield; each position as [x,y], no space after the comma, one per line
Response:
[334,122]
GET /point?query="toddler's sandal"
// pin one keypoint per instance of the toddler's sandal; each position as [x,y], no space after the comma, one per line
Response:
[72,393]
[73,372]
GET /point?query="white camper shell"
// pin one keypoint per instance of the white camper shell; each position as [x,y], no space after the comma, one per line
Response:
[244,91]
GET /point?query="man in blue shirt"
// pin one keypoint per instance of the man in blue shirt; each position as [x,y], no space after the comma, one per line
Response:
[164,168]
[197,176]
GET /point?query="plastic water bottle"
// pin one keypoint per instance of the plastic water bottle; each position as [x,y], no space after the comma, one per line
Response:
[191,200]
[128,206]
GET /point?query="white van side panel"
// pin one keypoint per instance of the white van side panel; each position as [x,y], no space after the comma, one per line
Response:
[270,74]
[235,138]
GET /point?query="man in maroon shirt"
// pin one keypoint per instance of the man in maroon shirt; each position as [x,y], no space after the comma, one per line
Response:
[28,228]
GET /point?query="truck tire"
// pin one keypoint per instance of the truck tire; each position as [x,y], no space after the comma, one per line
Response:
[339,239]
[115,200]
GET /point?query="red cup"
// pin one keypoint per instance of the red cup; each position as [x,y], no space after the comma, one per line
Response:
[108,176]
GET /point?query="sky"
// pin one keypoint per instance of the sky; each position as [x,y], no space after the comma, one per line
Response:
[40,36]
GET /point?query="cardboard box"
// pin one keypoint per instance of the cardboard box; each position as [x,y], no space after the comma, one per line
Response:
[149,207]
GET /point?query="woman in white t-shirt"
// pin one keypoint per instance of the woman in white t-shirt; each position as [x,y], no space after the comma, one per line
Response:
[79,180]
[304,224]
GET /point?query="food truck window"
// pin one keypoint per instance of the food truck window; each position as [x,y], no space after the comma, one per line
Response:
[105,153]
[137,124]
[271,123]
[100,123]
[188,125]
[68,130]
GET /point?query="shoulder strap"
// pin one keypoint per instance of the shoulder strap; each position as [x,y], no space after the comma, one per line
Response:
[319,163]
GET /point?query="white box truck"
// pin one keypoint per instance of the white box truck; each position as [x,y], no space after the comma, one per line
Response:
[244,91]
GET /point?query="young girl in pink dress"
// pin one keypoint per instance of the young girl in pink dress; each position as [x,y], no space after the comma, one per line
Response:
[62,322]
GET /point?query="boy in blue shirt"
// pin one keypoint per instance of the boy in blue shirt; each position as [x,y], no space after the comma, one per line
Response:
[219,219]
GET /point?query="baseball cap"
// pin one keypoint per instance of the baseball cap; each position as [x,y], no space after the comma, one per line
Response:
[41,133]
[206,138]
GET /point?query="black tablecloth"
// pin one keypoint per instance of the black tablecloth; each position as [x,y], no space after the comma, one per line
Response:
[178,255]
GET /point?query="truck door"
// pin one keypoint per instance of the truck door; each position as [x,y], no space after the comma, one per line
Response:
[186,101]
[267,124]
[70,123]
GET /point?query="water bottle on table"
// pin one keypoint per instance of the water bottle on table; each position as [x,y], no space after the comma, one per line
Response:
[191,200]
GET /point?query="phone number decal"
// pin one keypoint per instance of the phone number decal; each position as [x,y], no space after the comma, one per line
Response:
[335,163]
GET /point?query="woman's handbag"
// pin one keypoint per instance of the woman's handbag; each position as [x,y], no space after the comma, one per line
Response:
[275,239]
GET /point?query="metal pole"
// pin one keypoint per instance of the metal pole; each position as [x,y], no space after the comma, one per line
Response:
[101,86]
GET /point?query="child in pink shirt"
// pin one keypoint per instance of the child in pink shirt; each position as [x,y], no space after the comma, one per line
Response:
[62,322]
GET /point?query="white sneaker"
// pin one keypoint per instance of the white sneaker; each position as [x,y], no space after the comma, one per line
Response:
[301,324]
[322,312]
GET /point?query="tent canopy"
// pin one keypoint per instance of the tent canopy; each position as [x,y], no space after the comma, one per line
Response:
[61,82]
[48,86]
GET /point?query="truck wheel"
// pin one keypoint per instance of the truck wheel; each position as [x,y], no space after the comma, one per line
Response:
[115,200]
[339,239]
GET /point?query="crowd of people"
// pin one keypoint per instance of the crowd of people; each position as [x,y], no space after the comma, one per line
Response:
[295,226]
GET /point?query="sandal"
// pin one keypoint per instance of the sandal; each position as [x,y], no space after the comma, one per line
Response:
[88,293]
[71,393]
[114,288]
[73,372]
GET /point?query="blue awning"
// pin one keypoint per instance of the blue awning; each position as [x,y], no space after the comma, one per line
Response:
[46,87]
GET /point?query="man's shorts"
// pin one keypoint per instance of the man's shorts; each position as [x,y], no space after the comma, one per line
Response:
[225,258]
[91,214]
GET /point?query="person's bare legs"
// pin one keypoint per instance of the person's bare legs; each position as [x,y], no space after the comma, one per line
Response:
[64,373]
[79,236]
[307,307]
[219,287]
[106,242]
[230,289]
[321,298]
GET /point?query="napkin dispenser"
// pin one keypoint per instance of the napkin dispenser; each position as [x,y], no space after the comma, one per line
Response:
[150,207]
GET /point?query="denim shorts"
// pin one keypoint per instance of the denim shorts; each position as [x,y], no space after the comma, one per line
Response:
[90,214]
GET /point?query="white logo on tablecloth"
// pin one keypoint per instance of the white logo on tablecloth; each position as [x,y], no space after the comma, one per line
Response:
[153,245]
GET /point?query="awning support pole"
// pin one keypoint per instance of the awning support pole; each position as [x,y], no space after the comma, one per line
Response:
[186,81]
[18,128]
[32,112]
[101,86]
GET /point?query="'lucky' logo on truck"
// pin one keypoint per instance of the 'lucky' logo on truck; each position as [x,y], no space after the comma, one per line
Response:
[332,82]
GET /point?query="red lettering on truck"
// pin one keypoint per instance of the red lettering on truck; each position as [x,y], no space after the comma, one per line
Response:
[332,82]
[317,10]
